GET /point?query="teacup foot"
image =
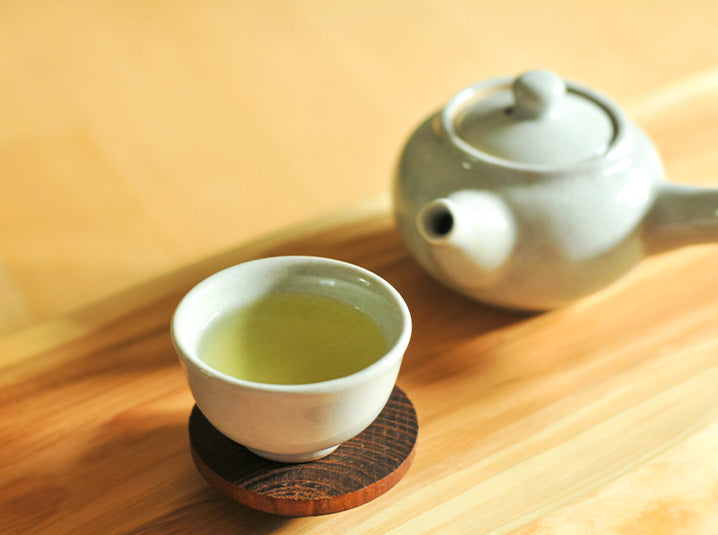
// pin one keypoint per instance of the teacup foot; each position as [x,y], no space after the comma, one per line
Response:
[294,457]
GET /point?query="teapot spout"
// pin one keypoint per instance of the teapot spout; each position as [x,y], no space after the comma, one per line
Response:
[681,215]
[471,235]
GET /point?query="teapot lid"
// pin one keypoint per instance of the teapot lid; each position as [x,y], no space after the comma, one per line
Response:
[535,119]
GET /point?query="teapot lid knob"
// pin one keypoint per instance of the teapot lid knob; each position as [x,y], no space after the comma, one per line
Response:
[537,93]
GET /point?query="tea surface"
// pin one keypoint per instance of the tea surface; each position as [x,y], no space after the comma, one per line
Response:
[292,339]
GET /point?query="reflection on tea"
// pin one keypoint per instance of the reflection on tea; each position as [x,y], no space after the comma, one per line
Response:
[290,338]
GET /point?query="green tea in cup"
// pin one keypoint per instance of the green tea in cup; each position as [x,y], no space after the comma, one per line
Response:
[292,338]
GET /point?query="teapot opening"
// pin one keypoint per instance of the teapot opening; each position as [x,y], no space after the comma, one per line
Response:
[437,221]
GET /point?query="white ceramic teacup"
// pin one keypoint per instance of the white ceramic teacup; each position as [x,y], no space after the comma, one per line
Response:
[291,422]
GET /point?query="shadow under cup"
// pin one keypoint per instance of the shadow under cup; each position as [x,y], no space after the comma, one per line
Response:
[291,422]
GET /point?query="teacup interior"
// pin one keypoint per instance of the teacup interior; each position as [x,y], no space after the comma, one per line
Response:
[253,284]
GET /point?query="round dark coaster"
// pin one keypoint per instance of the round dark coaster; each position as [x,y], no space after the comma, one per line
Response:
[358,471]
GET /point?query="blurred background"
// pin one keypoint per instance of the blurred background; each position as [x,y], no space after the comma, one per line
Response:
[139,136]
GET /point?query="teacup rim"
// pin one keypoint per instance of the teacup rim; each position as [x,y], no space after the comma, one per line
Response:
[391,356]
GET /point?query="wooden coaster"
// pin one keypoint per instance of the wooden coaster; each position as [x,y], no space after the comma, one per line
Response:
[360,470]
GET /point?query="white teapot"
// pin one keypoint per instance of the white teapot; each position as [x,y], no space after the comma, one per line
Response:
[530,193]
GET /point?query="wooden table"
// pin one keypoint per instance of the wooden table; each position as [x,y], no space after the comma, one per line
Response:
[139,141]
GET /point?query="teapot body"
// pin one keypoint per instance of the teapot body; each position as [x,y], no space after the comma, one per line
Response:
[573,228]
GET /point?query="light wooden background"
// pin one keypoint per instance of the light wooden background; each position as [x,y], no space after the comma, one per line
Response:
[137,137]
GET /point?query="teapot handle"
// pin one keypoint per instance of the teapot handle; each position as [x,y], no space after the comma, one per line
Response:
[681,215]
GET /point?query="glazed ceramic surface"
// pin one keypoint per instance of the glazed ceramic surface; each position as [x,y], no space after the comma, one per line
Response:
[291,423]
[532,192]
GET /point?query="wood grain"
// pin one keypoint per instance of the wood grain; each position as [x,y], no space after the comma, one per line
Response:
[360,470]
[519,414]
